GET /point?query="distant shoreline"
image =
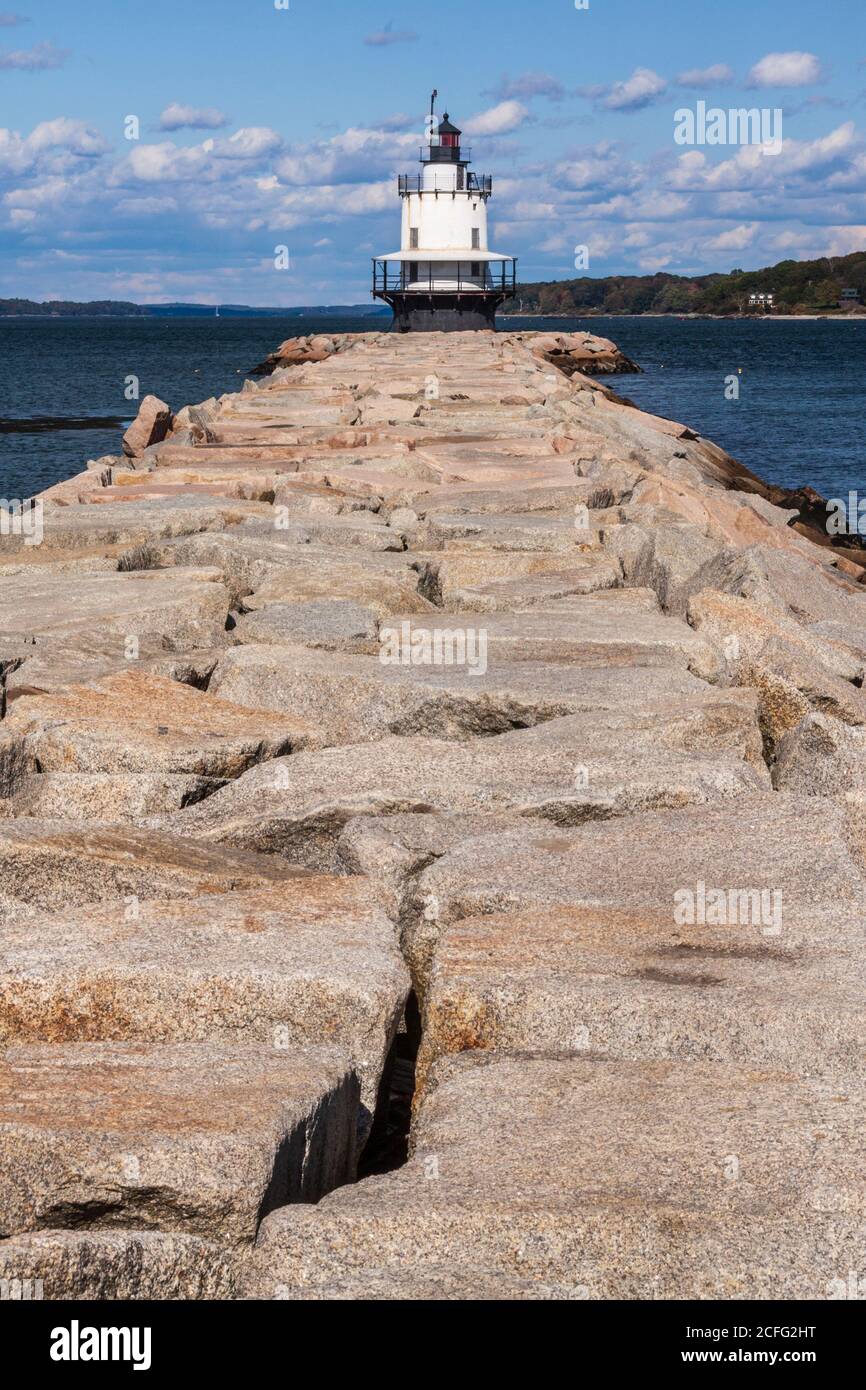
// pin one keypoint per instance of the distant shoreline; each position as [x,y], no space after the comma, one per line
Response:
[716,318]
[166,312]
[366,313]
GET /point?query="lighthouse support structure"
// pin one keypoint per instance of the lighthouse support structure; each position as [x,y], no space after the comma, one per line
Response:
[444,296]
[444,278]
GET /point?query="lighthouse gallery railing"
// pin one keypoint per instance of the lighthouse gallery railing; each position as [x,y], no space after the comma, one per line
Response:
[481,184]
[499,277]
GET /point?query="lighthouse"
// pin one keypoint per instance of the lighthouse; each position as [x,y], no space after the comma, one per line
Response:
[444,277]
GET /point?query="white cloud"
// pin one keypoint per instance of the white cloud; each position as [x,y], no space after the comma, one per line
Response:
[165,162]
[146,207]
[526,86]
[653,263]
[785,70]
[555,243]
[50,144]
[719,75]
[525,210]
[653,206]
[600,167]
[852,176]
[251,142]
[640,90]
[354,156]
[400,120]
[636,238]
[751,167]
[36,59]
[735,238]
[329,203]
[75,136]
[178,117]
[498,120]
[844,240]
[212,161]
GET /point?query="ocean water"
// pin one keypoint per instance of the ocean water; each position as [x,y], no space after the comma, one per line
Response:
[799,417]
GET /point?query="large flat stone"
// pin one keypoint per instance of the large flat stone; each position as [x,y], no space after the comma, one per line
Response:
[310,961]
[634,985]
[102,796]
[184,608]
[200,1138]
[337,575]
[487,531]
[613,626]
[558,492]
[52,661]
[261,567]
[54,865]
[428,1283]
[801,848]
[80,525]
[567,770]
[663,558]
[103,1264]
[488,581]
[333,624]
[607,1180]
[355,697]
[356,530]
[134,722]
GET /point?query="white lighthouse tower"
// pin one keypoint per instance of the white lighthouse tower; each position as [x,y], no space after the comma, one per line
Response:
[444,277]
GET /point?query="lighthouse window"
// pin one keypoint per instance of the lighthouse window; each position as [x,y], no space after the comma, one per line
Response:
[413,237]
[476,268]
[476,237]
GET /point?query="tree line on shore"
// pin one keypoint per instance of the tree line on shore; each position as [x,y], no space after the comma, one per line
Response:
[797,287]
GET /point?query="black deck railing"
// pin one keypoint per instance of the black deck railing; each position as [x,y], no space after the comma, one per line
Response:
[482,184]
[463,277]
[444,154]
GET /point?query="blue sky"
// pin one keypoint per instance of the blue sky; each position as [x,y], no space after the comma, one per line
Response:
[262,127]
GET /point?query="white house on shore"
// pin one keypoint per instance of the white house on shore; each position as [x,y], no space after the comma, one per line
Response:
[444,277]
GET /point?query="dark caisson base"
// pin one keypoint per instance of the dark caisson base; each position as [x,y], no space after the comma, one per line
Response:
[442,313]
